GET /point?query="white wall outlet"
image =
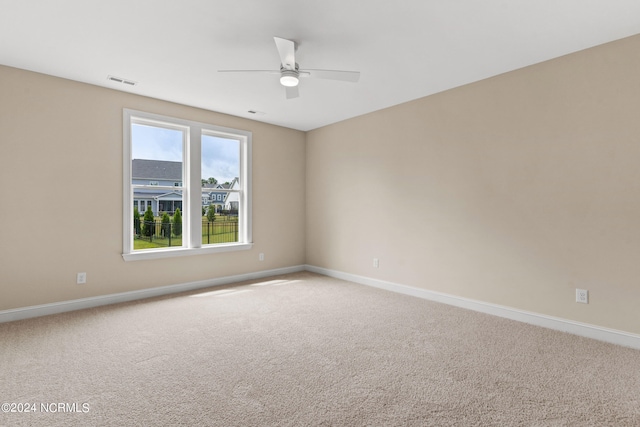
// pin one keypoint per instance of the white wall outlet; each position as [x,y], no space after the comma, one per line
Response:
[261,256]
[376,263]
[81,278]
[582,296]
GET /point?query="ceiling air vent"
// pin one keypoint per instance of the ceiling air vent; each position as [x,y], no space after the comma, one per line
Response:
[121,80]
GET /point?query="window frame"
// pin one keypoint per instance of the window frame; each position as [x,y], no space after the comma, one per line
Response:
[191,187]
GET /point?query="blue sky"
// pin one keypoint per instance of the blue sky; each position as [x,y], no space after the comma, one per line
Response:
[220,156]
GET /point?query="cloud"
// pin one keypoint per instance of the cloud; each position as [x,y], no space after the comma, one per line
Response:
[220,158]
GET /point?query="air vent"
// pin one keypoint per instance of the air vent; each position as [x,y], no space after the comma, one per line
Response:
[121,80]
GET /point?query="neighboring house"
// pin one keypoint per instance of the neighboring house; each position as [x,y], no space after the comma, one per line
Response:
[169,174]
[160,173]
[216,198]
[233,199]
[222,200]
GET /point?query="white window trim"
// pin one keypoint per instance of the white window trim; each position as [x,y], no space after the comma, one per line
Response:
[192,191]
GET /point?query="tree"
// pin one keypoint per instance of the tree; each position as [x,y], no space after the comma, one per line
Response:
[177,223]
[136,220]
[149,222]
[204,182]
[166,225]
[213,181]
[211,213]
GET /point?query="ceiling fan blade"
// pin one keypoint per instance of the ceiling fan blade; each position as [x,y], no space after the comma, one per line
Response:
[292,92]
[345,76]
[287,50]
[250,71]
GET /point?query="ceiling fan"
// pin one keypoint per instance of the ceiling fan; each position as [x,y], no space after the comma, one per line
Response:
[290,72]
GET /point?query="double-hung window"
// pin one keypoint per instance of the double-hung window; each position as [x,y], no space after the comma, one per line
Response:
[172,167]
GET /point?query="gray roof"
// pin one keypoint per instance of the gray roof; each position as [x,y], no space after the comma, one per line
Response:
[156,170]
[212,186]
[219,185]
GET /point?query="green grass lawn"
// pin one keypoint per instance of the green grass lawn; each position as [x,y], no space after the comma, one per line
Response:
[157,242]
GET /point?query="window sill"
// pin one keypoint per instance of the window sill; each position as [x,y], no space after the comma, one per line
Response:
[178,252]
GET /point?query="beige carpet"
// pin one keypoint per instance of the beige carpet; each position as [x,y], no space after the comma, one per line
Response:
[307,350]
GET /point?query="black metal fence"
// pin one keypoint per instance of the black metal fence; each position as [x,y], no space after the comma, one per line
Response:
[162,234]
[165,234]
[219,232]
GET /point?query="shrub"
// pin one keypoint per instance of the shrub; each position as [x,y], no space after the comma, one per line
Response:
[149,223]
[211,213]
[177,223]
[166,225]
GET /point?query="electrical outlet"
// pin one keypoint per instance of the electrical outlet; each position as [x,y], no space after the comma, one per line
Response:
[81,278]
[376,263]
[261,256]
[582,296]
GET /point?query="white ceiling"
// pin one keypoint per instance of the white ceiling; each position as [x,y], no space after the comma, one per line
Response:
[404,49]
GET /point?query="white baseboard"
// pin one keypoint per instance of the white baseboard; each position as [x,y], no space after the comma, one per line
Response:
[613,336]
[79,304]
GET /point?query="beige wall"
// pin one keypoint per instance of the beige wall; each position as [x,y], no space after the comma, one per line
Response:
[514,190]
[61,194]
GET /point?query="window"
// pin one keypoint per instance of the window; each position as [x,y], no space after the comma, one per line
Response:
[169,165]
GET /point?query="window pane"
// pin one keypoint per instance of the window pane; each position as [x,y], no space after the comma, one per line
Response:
[220,160]
[220,166]
[220,225]
[157,161]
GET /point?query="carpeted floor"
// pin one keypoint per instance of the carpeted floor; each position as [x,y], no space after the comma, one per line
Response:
[307,350]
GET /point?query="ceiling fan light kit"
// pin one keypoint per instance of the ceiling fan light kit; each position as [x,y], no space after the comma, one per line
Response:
[289,78]
[290,72]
